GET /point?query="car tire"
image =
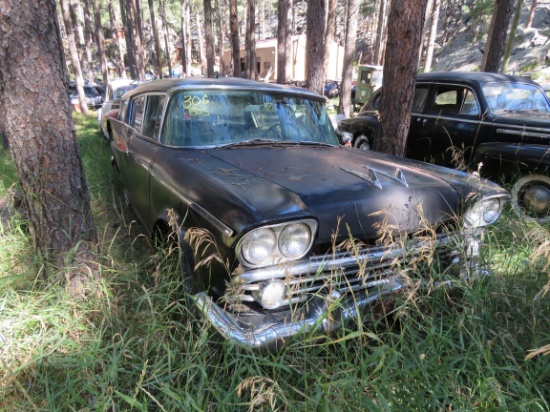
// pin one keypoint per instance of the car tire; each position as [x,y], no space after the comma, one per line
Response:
[362,142]
[531,198]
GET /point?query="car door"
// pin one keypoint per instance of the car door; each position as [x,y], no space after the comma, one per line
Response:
[142,146]
[417,138]
[449,126]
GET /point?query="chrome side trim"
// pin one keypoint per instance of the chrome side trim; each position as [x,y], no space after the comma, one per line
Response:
[218,224]
[523,132]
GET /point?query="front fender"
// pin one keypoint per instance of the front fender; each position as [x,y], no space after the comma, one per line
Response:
[506,160]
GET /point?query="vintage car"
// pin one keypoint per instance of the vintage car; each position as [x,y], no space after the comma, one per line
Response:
[281,229]
[115,89]
[461,119]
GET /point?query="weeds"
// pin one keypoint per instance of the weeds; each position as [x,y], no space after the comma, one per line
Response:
[138,346]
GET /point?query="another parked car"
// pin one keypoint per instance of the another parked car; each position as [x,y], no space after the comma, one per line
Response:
[546,88]
[93,92]
[470,119]
[332,89]
[115,90]
[281,229]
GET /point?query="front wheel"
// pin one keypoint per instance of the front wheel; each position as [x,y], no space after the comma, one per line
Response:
[362,143]
[531,198]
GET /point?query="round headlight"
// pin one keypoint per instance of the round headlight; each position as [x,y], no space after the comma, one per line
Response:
[483,213]
[294,240]
[258,245]
[491,211]
[271,295]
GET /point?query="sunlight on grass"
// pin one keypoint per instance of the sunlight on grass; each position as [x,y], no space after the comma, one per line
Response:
[138,346]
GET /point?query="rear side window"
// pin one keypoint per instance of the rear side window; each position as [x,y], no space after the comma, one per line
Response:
[153,113]
[137,112]
[448,100]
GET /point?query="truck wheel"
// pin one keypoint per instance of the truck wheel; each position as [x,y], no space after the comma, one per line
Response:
[531,198]
[362,142]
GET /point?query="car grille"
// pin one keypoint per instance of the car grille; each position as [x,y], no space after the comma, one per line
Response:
[361,267]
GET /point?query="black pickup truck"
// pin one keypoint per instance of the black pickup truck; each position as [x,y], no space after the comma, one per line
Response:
[497,124]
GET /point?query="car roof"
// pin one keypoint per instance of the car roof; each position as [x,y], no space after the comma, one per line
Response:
[472,77]
[167,85]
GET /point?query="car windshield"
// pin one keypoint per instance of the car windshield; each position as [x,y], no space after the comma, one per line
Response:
[514,98]
[217,118]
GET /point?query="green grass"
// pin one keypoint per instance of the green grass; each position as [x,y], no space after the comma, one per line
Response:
[136,346]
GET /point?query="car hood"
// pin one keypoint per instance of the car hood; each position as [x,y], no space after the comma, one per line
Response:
[347,191]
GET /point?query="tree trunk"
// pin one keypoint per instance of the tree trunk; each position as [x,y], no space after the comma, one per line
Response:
[157,39]
[235,43]
[429,9]
[41,133]
[531,14]
[184,37]
[329,35]
[74,57]
[512,37]
[433,35]
[349,54]
[251,71]
[401,64]
[380,32]
[166,43]
[200,39]
[221,38]
[100,43]
[77,27]
[316,12]
[284,41]
[115,27]
[129,33]
[209,38]
[89,40]
[496,39]
[133,23]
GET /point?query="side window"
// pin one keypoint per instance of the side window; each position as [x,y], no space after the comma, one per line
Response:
[447,100]
[153,113]
[470,106]
[137,112]
[419,100]
[122,110]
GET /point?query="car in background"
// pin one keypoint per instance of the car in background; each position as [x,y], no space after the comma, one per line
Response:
[332,89]
[115,89]
[93,93]
[546,88]
[281,230]
[497,123]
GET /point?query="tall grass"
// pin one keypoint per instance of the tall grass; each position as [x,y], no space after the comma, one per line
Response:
[137,346]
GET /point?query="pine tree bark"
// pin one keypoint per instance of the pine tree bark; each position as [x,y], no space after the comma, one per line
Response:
[185,53]
[166,43]
[74,56]
[41,132]
[89,37]
[316,12]
[433,35]
[531,14]
[512,37]
[129,34]
[349,54]
[250,68]
[115,27]
[284,41]
[380,33]
[329,35]
[157,39]
[401,64]
[100,42]
[209,38]
[235,42]
[220,14]
[496,39]
[134,20]
[202,53]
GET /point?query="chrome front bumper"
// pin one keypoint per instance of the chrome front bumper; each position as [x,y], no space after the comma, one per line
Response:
[323,315]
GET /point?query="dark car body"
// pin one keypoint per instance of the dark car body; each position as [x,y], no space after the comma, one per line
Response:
[463,119]
[332,89]
[278,224]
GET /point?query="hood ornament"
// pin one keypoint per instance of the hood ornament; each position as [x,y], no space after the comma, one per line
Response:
[371,175]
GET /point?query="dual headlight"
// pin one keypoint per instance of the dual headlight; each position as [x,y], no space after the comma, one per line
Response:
[483,212]
[276,244]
